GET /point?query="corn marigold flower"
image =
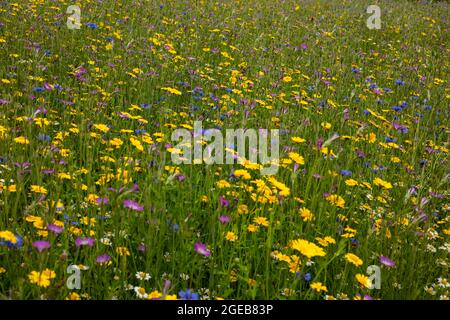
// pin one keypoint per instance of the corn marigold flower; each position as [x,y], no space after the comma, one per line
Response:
[354,259]
[231,236]
[318,286]
[363,280]
[307,248]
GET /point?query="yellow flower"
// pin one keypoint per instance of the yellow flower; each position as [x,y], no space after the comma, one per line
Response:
[296,158]
[172,90]
[298,139]
[381,183]
[135,142]
[326,125]
[318,286]
[351,182]
[2,270]
[231,236]
[242,209]
[306,214]
[336,200]
[154,295]
[287,79]
[350,257]
[122,251]
[73,296]
[171,297]
[363,280]
[101,127]
[38,189]
[41,279]
[325,241]
[21,140]
[307,248]
[8,236]
[242,173]
[262,221]
[252,228]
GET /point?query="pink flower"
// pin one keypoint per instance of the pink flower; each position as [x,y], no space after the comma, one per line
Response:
[201,248]
[41,245]
[130,204]
[88,241]
[387,262]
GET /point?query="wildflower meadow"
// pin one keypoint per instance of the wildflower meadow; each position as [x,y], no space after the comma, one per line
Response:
[231,149]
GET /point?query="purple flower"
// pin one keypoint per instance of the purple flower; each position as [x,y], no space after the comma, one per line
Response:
[55,229]
[41,245]
[387,262]
[201,248]
[130,204]
[102,200]
[141,247]
[223,202]
[181,177]
[88,241]
[103,258]
[224,219]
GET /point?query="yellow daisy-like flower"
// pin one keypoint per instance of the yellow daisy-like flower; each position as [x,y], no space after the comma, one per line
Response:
[231,236]
[73,296]
[354,259]
[318,286]
[307,248]
[351,182]
[336,200]
[172,91]
[306,214]
[101,127]
[21,140]
[381,183]
[223,184]
[8,236]
[241,173]
[298,139]
[363,280]
[262,221]
[296,158]
[38,189]
[122,251]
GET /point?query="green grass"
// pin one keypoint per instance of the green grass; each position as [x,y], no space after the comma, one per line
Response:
[337,67]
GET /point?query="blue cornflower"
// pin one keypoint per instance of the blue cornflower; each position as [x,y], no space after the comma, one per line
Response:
[346,172]
[188,295]
[91,25]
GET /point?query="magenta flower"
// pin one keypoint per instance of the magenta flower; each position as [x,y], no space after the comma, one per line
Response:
[102,201]
[224,219]
[41,245]
[201,248]
[55,229]
[387,262]
[88,241]
[103,258]
[223,201]
[130,204]
[141,247]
